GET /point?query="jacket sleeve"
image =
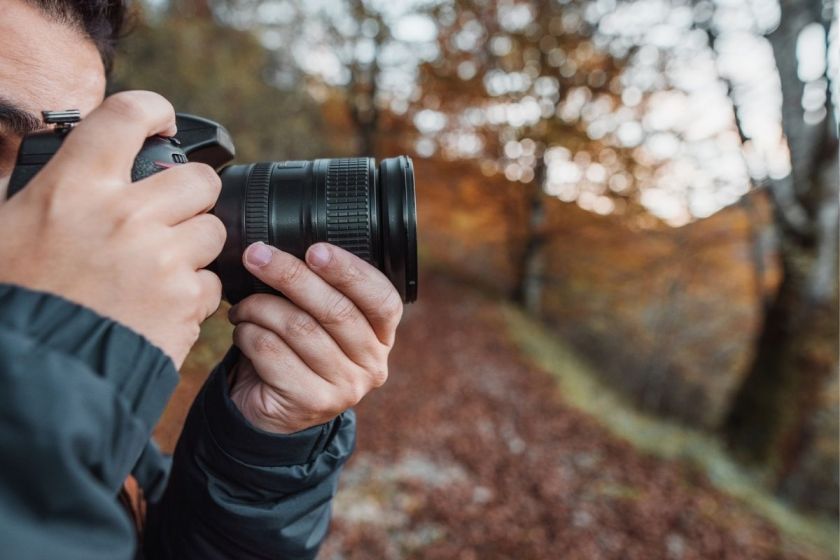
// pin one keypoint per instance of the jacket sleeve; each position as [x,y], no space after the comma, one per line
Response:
[238,492]
[79,396]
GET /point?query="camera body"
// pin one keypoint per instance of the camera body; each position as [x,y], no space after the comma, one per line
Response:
[350,202]
[198,139]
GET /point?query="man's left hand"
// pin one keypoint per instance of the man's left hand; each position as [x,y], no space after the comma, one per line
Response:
[308,358]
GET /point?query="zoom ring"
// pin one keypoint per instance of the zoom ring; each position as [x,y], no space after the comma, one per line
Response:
[348,206]
[256,212]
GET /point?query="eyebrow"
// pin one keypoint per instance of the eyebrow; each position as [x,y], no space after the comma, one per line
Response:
[17,119]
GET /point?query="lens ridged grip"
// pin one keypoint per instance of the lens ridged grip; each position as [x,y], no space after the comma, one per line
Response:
[257,212]
[348,206]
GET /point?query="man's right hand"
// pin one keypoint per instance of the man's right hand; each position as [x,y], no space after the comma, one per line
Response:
[132,252]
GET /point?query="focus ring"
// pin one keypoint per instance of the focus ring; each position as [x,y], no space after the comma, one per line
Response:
[348,206]
[256,212]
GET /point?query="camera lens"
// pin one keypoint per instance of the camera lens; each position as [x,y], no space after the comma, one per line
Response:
[291,205]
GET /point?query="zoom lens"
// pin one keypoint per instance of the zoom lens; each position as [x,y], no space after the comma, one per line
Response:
[291,205]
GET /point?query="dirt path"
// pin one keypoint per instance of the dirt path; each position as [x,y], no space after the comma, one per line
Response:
[468,452]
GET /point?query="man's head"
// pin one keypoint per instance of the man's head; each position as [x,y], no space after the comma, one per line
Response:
[53,55]
[101,21]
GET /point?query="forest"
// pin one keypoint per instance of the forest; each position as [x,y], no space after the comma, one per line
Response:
[626,338]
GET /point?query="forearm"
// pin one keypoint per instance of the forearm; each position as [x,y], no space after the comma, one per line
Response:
[75,417]
[238,492]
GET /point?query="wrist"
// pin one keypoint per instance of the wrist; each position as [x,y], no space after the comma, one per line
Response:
[241,439]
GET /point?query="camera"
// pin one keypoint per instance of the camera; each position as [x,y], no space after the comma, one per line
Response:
[366,209]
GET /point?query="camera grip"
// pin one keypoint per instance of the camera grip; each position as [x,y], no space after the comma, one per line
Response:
[158,153]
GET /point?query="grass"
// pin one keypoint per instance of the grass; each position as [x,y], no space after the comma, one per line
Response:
[581,388]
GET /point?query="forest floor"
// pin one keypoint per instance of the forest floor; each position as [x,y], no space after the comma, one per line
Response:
[492,440]
[472,451]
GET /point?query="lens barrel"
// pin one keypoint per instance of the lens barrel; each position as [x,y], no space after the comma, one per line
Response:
[291,205]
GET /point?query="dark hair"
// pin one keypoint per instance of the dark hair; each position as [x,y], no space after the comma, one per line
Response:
[101,20]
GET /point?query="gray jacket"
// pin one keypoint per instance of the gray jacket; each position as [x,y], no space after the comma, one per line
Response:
[79,397]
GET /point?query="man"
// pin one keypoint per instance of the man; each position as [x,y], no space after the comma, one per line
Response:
[102,291]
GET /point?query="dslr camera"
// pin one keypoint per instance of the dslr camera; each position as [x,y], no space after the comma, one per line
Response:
[366,209]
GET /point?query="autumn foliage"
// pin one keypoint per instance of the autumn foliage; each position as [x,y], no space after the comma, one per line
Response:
[543,179]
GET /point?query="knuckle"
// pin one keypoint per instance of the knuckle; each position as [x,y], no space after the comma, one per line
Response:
[165,259]
[291,273]
[206,175]
[192,292]
[349,274]
[127,105]
[301,325]
[355,395]
[390,305]
[322,405]
[240,334]
[249,307]
[217,232]
[339,310]
[266,343]
[379,376]
[212,292]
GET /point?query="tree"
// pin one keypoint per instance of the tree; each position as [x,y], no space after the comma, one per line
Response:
[347,50]
[360,52]
[213,70]
[770,416]
[519,80]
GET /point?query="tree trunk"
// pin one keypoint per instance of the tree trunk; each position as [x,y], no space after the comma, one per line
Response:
[361,98]
[530,264]
[796,348]
[367,135]
[769,404]
[660,357]
[363,89]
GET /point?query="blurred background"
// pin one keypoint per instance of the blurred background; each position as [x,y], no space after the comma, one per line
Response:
[626,340]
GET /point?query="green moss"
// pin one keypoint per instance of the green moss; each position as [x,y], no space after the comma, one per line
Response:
[581,388]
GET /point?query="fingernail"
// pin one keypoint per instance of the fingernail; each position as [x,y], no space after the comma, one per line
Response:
[258,254]
[318,255]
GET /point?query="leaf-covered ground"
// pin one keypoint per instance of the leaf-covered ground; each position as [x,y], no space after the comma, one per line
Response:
[469,452]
